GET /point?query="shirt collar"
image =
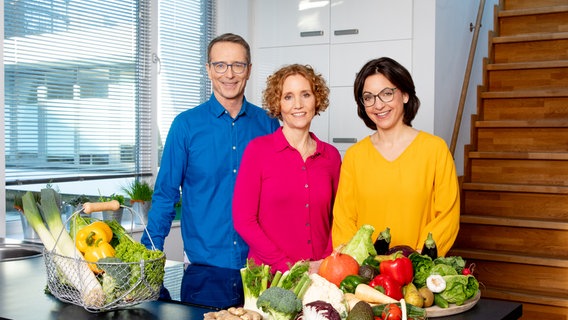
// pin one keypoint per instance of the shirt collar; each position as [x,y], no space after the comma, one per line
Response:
[218,110]
[280,142]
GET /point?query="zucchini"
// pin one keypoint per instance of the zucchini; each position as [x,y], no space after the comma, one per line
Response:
[440,301]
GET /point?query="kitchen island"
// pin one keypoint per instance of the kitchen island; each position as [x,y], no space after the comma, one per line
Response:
[22,297]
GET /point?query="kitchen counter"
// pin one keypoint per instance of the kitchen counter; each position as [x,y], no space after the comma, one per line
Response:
[23,283]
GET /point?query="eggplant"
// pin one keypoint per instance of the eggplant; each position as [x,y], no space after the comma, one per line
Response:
[382,243]
[429,248]
[406,250]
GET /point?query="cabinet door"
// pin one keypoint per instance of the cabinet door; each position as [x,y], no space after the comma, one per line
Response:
[347,59]
[291,22]
[370,20]
[268,60]
[346,126]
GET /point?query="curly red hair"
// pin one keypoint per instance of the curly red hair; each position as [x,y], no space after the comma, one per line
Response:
[273,92]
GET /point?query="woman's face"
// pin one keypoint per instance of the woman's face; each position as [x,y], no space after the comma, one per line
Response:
[386,115]
[297,103]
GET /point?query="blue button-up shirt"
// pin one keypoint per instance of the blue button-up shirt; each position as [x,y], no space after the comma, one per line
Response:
[202,155]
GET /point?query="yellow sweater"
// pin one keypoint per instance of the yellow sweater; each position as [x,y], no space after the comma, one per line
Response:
[415,194]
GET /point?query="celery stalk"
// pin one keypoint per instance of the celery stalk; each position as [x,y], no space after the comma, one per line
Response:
[74,269]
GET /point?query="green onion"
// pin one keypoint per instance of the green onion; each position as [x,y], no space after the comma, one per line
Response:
[56,240]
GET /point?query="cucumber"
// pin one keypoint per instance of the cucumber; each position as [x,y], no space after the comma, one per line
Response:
[440,301]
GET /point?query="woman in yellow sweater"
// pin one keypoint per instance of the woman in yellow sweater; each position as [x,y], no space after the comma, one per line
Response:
[398,177]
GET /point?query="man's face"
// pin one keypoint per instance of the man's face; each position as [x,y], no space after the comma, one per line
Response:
[228,86]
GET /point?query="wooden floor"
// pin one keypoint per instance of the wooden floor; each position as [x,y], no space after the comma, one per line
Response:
[514,220]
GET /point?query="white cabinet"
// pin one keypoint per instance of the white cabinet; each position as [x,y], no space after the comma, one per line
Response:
[291,22]
[336,37]
[305,22]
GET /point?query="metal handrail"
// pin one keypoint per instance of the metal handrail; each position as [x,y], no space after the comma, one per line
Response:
[467,76]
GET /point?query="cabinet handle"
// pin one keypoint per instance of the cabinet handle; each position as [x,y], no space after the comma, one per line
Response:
[345,32]
[311,33]
[344,140]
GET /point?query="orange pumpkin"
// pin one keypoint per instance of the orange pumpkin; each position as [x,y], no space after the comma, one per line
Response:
[335,267]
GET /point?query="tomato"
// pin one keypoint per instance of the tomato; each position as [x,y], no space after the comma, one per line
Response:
[392,312]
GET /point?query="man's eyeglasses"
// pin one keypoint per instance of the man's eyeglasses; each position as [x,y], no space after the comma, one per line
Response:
[222,67]
[386,95]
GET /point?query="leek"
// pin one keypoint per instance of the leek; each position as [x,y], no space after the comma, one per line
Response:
[57,240]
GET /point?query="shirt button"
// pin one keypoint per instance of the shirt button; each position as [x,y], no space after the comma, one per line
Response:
[234,147]
[306,186]
[304,168]
[307,205]
[234,243]
[233,124]
[309,241]
[234,170]
[307,224]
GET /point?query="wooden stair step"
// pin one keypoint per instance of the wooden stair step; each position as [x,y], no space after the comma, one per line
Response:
[524,297]
[516,205]
[527,108]
[533,11]
[531,76]
[527,65]
[515,188]
[525,51]
[539,123]
[518,155]
[531,21]
[514,222]
[509,257]
[525,4]
[556,92]
[513,138]
[544,36]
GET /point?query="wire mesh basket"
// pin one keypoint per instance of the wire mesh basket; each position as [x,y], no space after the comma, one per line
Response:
[113,285]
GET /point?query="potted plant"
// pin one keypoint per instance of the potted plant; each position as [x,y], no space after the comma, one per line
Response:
[140,194]
[113,215]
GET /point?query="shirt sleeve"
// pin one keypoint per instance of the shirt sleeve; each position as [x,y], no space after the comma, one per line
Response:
[246,201]
[166,189]
[445,222]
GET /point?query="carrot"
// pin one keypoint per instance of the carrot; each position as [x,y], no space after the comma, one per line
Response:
[90,207]
[371,295]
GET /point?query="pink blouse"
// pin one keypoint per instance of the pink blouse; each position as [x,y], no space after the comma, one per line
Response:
[282,206]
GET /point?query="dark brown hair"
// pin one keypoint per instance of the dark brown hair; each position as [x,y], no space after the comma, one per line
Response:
[273,93]
[395,73]
[229,37]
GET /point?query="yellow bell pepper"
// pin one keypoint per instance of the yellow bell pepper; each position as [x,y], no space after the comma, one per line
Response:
[93,234]
[97,252]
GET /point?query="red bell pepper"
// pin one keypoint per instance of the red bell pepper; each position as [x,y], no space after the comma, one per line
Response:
[400,269]
[389,286]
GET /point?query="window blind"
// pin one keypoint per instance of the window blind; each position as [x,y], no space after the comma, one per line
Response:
[185,30]
[75,80]
[77,84]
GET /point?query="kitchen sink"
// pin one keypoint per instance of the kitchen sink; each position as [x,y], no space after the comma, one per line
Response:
[19,251]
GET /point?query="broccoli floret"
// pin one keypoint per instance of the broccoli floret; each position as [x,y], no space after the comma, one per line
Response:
[281,304]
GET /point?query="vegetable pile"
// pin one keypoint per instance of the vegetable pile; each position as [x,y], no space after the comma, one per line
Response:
[364,279]
[97,265]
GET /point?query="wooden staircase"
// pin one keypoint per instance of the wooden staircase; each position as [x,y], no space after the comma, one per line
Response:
[514,219]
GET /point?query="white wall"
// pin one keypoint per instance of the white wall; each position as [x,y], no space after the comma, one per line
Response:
[453,41]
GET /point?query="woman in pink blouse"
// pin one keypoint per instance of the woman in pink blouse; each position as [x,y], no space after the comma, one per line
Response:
[286,184]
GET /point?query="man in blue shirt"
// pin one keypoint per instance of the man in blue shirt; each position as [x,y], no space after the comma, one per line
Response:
[202,155]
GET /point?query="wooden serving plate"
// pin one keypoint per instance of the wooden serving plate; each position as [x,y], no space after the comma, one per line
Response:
[435,311]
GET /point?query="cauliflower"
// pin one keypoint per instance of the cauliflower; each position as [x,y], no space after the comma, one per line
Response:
[323,290]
